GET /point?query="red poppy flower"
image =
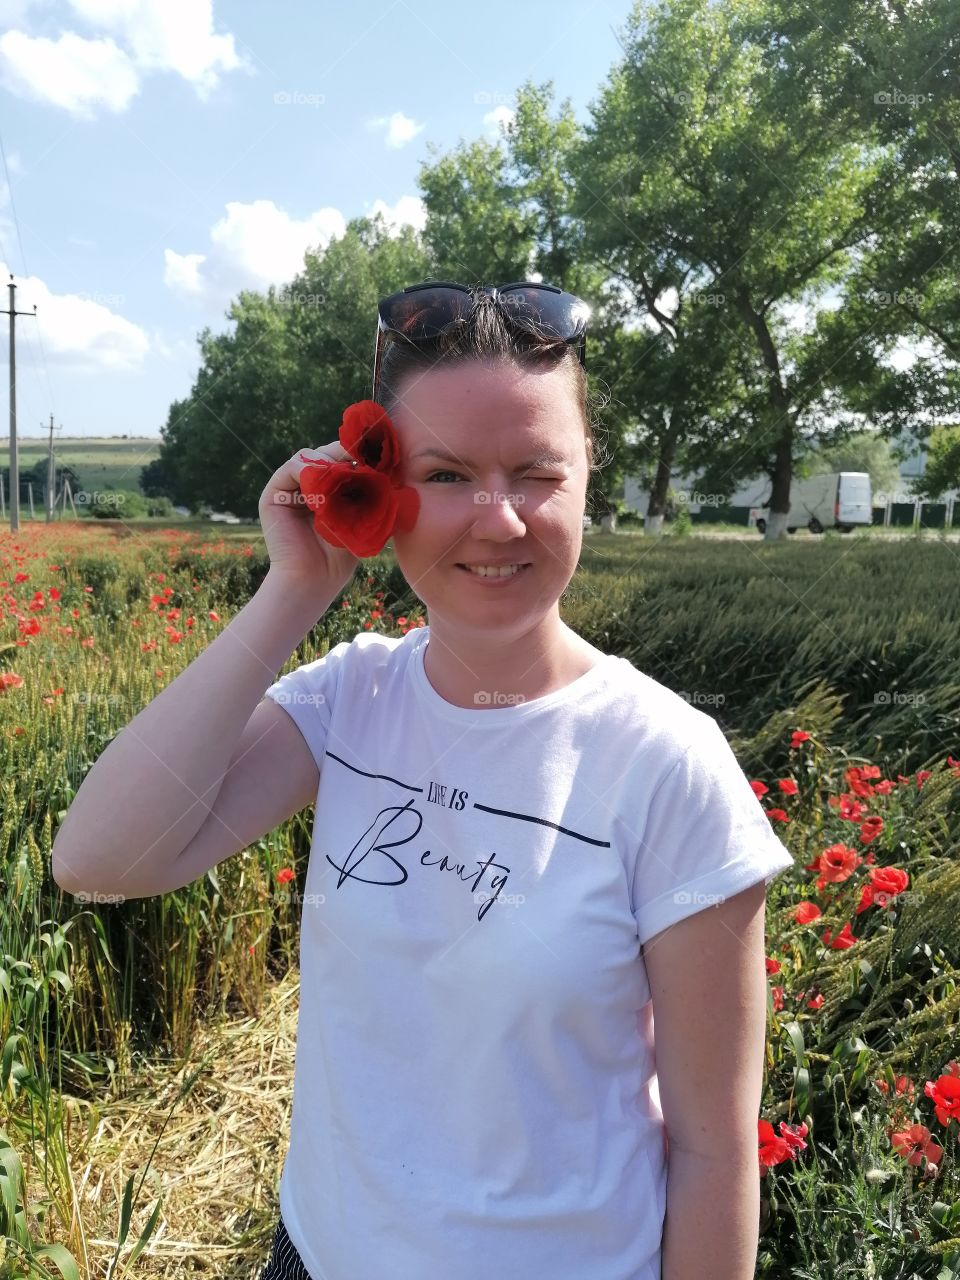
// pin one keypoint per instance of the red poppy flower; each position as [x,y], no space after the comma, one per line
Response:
[837,864]
[771,1148]
[357,505]
[793,1135]
[870,828]
[839,941]
[916,1144]
[806,912]
[945,1093]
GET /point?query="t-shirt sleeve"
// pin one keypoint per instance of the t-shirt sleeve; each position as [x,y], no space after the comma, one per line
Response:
[308,693]
[706,837]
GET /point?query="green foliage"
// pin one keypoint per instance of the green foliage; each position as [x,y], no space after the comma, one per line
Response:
[943,462]
[280,381]
[112,504]
[863,451]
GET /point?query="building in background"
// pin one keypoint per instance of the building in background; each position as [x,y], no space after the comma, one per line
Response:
[899,508]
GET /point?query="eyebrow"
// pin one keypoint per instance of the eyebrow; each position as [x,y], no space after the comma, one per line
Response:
[548,458]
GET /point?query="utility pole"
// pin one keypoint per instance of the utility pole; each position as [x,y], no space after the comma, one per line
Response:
[14,467]
[51,474]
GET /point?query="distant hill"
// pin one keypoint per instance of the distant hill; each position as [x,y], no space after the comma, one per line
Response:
[99,461]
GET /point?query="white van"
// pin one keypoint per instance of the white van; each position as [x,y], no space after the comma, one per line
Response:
[838,500]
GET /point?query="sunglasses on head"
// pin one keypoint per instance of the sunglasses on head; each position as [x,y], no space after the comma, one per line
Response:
[421,312]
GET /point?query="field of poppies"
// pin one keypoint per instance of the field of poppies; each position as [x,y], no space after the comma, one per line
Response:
[833,671]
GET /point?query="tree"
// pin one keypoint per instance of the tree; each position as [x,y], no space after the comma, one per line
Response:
[501,212]
[867,451]
[892,71]
[708,154]
[280,381]
[157,479]
[943,463]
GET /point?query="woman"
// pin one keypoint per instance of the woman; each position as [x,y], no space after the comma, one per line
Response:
[516,837]
[515,843]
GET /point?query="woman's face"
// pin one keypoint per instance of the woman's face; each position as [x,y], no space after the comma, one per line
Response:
[512,488]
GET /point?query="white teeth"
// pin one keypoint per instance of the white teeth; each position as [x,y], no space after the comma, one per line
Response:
[504,571]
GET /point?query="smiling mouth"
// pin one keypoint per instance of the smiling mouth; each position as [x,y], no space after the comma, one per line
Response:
[515,573]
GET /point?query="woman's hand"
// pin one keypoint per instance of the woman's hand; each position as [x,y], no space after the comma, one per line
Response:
[296,551]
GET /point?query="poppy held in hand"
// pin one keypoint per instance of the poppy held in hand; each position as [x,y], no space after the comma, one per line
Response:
[357,505]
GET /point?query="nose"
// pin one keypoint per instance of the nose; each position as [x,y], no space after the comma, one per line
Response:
[499,514]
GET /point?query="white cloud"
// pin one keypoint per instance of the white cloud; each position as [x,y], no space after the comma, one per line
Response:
[80,332]
[182,271]
[493,120]
[401,129]
[410,210]
[167,35]
[253,246]
[68,72]
[134,37]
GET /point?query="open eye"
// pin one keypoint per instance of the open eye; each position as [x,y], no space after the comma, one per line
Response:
[442,473]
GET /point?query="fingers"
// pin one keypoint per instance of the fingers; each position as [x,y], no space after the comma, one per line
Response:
[334,452]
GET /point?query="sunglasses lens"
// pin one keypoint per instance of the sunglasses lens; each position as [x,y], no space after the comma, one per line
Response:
[538,310]
[424,313]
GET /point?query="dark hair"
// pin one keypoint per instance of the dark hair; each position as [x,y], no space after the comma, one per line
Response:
[487,334]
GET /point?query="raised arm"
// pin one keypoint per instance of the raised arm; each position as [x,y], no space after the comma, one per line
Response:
[154,787]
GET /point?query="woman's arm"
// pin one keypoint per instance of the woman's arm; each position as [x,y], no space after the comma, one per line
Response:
[708,984]
[153,787]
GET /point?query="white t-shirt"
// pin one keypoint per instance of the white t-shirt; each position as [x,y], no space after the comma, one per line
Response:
[475,1091]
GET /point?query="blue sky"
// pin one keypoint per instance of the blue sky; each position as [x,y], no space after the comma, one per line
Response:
[163,154]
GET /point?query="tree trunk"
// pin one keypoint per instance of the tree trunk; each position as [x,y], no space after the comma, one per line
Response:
[657,504]
[780,415]
[780,489]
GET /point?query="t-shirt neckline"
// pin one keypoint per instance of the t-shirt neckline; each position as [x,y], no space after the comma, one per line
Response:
[499,715]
